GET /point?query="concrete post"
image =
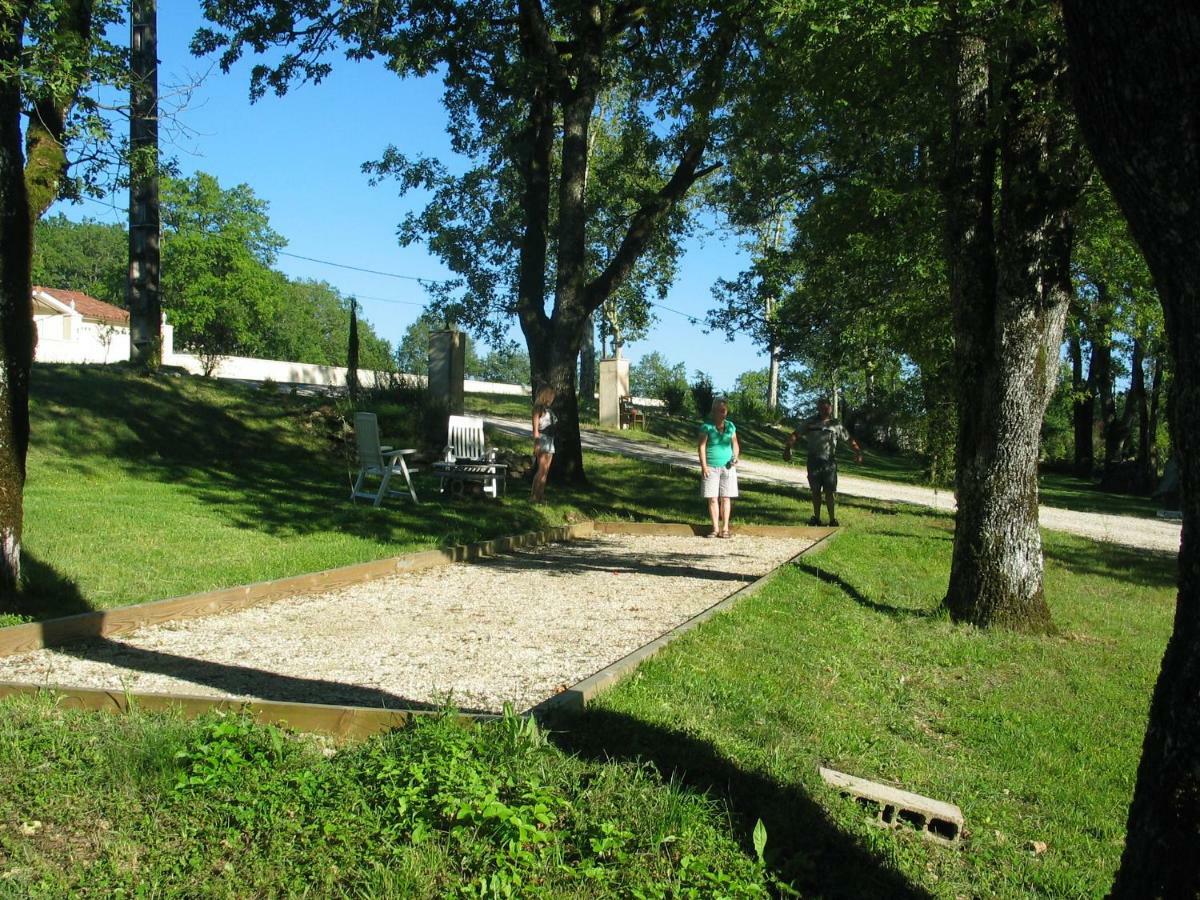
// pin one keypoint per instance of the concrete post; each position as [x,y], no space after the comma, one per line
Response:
[447,368]
[614,384]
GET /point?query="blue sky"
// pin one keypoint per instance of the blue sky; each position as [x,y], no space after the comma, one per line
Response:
[302,154]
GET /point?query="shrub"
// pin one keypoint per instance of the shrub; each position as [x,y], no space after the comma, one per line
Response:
[655,377]
[702,393]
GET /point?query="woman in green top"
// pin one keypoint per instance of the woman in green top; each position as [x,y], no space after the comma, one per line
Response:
[719,451]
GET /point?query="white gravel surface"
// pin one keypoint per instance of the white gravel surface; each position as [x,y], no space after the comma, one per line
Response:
[514,628]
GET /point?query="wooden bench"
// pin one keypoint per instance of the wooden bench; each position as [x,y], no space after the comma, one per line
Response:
[468,461]
[632,416]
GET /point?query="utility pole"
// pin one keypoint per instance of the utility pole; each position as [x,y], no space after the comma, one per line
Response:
[142,289]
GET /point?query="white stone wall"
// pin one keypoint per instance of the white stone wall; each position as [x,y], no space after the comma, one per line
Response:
[71,339]
[249,369]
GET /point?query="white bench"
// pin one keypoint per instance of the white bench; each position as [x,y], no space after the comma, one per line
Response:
[467,459]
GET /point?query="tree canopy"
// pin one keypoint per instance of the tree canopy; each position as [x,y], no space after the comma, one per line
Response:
[220,289]
[526,89]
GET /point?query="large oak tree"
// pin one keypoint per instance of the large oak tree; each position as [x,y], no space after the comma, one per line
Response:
[1137,79]
[910,119]
[50,51]
[528,231]
[1013,173]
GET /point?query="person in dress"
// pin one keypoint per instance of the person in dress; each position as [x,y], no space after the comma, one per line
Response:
[544,422]
[718,450]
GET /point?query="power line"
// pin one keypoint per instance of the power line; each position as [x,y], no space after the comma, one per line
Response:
[386,299]
[326,262]
[692,320]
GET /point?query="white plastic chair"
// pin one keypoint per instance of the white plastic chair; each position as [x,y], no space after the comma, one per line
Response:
[468,458]
[378,461]
[465,438]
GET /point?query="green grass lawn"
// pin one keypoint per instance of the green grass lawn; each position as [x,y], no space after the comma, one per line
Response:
[765,442]
[847,661]
[141,489]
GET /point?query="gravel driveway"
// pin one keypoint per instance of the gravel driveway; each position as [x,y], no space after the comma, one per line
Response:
[1130,531]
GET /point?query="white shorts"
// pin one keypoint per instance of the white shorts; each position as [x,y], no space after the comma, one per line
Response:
[720,482]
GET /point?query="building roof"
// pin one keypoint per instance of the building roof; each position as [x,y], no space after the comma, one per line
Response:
[88,307]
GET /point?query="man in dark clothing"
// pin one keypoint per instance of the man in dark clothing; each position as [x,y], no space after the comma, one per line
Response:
[821,434]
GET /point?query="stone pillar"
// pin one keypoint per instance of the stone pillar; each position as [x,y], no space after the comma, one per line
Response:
[614,384]
[447,368]
[168,339]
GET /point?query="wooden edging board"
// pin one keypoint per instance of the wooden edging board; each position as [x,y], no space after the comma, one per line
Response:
[349,723]
[56,632]
[580,694]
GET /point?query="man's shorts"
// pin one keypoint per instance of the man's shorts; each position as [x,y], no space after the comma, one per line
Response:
[721,482]
[822,475]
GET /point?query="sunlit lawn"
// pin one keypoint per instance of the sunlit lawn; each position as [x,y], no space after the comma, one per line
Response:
[145,489]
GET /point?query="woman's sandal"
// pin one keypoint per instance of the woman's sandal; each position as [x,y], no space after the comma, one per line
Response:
[713,534]
[726,533]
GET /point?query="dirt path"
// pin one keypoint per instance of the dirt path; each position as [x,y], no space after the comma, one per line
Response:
[1130,531]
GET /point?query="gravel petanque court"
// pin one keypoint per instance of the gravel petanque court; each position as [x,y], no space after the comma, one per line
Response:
[514,628]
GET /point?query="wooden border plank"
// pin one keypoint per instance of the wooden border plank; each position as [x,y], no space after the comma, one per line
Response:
[357,722]
[121,620]
[347,723]
[580,694]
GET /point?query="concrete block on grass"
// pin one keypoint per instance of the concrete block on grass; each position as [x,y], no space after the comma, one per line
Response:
[936,820]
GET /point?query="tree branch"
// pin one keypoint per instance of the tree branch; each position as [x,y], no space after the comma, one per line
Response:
[641,229]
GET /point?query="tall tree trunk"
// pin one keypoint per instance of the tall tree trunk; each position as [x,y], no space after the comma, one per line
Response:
[142,286]
[774,350]
[571,82]
[1137,77]
[1010,290]
[352,353]
[587,363]
[1083,412]
[557,363]
[16,306]
[1101,374]
[1156,378]
[554,364]
[1140,400]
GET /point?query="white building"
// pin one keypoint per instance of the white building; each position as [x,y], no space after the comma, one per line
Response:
[75,328]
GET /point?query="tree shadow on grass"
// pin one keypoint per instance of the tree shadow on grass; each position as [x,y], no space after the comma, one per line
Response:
[594,556]
[45,592]
[913,536]
[896,612]
[269,462]
[1147,568]
[672,495]
[805,847]
[238,680]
